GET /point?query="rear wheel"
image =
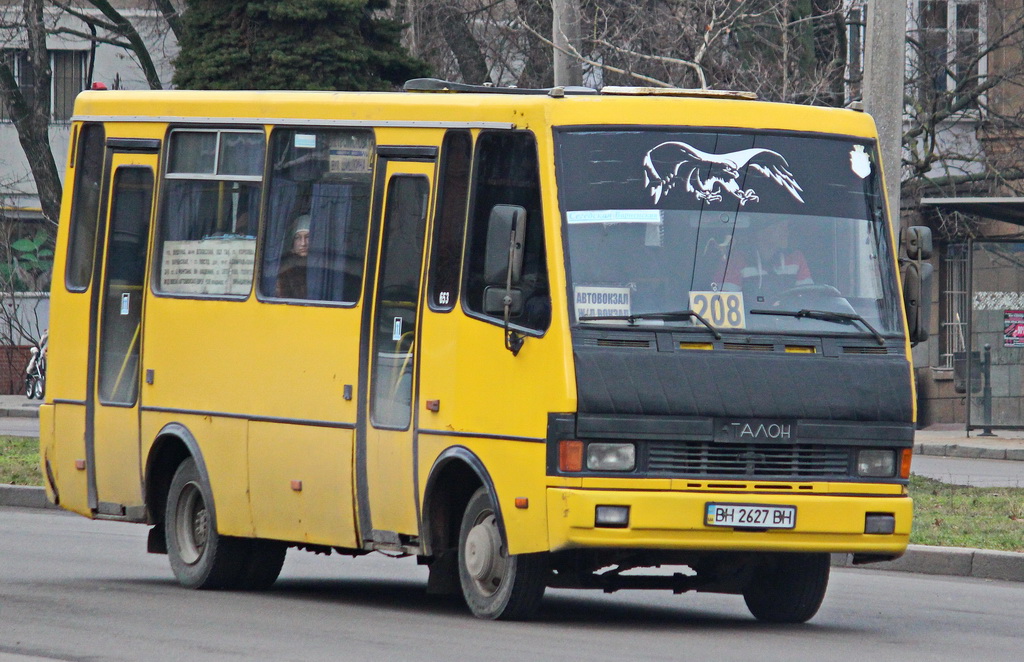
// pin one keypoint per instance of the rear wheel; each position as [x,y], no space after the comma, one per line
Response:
[39,387]
[788,588]
[30,387]
[495,584]
[263,565]
[200,557]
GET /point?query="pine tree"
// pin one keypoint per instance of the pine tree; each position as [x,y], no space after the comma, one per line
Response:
[292,44]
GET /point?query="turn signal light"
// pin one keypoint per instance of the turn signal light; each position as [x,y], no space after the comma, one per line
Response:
[905,457]
[570,456]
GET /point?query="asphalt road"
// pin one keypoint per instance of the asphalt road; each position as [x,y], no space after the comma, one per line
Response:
[19,427]
[73,589]
[965,471]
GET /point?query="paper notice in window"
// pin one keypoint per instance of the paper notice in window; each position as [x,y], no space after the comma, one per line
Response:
[601,301]
[208,266]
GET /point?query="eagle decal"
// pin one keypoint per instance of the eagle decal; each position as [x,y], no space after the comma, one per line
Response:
[706,175]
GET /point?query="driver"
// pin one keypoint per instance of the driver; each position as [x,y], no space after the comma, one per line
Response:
[770,265]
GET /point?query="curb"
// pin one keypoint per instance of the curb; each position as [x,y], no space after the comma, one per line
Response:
[19,412]
[950,561]
[24,496]
[921,559]
[970,452]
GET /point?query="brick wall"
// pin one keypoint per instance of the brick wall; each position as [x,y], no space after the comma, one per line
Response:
[13,361]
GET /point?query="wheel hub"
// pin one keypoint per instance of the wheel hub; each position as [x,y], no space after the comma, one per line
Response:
[192,522]
[480,551]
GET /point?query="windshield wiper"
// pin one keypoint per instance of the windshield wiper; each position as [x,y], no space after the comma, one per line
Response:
[674,315]
[825,315]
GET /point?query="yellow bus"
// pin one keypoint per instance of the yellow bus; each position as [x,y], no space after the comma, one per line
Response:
[532,337]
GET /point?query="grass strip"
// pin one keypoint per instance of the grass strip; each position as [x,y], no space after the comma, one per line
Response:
[959,516]
[19,461]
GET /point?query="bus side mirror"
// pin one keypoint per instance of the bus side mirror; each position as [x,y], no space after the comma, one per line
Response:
[917,241]
[917,282]
[506,228]
[503,267]
[503,259]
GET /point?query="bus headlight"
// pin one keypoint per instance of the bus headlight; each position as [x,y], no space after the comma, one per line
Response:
[611,457]
[876,463]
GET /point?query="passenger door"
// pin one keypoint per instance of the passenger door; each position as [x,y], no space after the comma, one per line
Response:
[387,447]
[112,418]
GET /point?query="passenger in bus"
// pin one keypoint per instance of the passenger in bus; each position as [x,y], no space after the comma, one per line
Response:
[768,267]
[291,278]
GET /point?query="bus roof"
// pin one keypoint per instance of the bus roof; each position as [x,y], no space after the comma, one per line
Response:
[529,109]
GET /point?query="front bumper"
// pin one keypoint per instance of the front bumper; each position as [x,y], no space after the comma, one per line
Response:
[674,520]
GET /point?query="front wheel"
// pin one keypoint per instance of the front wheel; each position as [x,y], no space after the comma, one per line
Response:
[788,588]
[39,387]
[30,387]
[200,557]
[496,584]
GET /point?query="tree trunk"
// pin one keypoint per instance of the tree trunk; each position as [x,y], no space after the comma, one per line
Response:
[565,31]
[30,113]
[453,26]
[537,72]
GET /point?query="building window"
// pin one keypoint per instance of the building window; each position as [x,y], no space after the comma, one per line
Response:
[950,37]
[856,22]
[953,323]
[67,80]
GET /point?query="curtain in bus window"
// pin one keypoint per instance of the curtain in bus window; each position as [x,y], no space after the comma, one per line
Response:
[182,215]
[329,213]
[283,195]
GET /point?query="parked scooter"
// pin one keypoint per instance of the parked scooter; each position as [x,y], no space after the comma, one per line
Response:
[35,372]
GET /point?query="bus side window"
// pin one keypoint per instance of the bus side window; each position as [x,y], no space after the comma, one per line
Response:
[85,207]
[318,209]
[206,241]
[450,220]
[506,174]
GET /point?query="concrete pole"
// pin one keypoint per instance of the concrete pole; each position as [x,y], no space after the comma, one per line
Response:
[565,33]
[885,63]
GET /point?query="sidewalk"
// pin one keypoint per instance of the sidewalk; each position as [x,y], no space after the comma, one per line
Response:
[952,441]
[949,441]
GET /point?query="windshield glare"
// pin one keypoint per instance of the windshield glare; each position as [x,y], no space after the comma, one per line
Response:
[731,226]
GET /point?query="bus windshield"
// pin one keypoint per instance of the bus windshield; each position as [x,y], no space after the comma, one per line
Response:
[767,231]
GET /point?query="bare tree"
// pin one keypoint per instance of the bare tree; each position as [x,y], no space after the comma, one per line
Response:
[965,109]
[791,50]
[25,84]
[25,74]
[30,112]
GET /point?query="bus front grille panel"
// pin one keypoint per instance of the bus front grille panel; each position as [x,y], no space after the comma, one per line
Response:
[699,459]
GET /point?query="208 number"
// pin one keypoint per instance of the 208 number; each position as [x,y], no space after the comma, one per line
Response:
[721,309]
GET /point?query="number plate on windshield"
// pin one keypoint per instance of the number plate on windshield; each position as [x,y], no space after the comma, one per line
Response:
[750,516]
[723,310]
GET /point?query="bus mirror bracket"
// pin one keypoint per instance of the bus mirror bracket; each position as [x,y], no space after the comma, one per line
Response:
[503,264]
[917,281]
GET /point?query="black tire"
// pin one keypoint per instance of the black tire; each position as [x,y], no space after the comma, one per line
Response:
[200,557]
[30,387]
[39,388]
[262,565]
[495,584]
[788,588]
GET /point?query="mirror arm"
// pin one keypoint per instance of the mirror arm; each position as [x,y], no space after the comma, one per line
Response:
[513,339]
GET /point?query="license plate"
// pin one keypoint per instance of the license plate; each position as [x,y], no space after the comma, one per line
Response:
[750,516]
